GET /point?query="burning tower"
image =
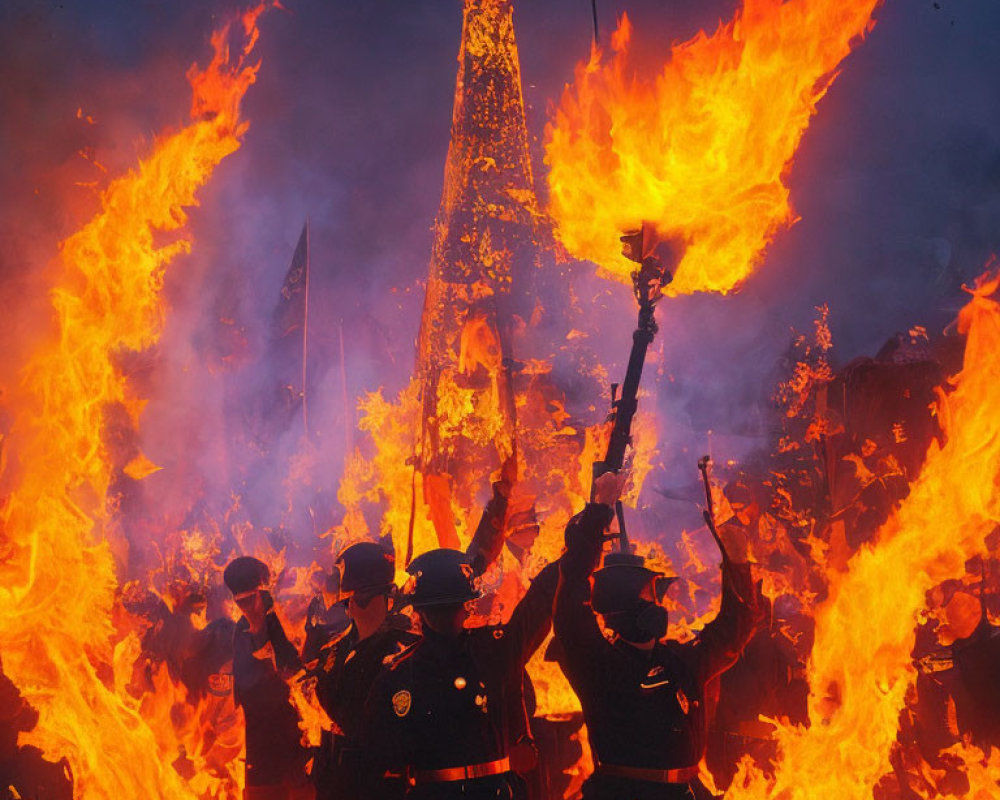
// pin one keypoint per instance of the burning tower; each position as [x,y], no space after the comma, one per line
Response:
[485,250]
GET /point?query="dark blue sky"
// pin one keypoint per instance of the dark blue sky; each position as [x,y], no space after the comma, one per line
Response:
[897,180]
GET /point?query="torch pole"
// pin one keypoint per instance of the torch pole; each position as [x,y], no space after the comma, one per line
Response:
[647,285]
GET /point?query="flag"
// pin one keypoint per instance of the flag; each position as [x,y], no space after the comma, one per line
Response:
[290,313]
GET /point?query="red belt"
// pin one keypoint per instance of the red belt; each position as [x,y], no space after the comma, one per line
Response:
[682,775]
[465,773]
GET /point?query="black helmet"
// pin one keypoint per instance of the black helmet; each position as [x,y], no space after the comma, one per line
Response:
[441,577]
[366,567]
[246,573]
[618,584]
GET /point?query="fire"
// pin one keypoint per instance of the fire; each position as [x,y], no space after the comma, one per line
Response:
[702,150]
[58,576]
[431,452]
[861,666]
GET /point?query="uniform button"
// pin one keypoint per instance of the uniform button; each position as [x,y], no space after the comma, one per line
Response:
[460,682]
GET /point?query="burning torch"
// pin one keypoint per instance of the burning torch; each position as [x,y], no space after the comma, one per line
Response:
[648,281]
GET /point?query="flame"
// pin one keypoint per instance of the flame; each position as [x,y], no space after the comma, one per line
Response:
[701,151]
[58,577]
[861,666]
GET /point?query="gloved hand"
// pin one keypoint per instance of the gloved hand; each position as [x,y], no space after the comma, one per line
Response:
[608,487]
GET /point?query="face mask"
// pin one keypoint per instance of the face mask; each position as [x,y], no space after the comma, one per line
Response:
[651,621]
[648,621]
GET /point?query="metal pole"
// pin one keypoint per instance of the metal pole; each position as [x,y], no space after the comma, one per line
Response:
[305,340]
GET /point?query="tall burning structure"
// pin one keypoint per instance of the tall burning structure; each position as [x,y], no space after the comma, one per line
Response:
[479,398]
[485,245]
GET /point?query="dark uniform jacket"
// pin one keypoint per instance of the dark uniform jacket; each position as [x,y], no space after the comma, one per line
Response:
[642,708]
[458,701]
[345,678]
[260,665]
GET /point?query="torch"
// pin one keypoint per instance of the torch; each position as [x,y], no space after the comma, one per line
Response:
[648,280]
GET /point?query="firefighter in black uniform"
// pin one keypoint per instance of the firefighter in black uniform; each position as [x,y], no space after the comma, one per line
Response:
[350,663]
[263,660]
[643,700]
[447,711]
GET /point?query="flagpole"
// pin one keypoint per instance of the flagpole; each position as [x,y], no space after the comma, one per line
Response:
[348,411]
[305,339]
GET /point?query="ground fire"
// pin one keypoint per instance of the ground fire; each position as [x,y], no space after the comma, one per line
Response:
[505,569]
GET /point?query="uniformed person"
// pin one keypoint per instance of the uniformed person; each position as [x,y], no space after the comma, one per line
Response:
[378,630]
[643,699]
[263,660]
[351,663]
[446,712]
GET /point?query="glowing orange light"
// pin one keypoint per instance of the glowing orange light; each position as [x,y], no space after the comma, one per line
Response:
[57,575]
[861,666]
[702,148]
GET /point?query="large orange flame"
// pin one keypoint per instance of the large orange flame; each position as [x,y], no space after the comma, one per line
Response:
[701,151]
[57,577]
[861,665]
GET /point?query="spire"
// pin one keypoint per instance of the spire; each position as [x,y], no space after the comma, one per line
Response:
[484,254]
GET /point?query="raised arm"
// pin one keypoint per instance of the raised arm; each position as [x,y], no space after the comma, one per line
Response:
[529,623]
[574,621]
[487,541]
[724,638]
[286,657]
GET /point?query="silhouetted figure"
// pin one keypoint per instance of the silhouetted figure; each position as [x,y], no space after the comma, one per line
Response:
[263,659]
[643,700]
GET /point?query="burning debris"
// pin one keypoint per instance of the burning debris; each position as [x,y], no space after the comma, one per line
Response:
[845,649]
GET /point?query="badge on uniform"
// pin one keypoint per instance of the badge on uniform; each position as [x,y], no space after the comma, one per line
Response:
[220,684]
[401,702]
[655,678]
[682,701]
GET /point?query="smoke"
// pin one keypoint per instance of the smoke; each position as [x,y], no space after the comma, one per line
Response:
[897,183]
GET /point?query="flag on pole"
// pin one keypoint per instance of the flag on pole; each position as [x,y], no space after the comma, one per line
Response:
[290,314]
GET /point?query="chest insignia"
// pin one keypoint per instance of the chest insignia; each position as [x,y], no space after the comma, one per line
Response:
[655,678]
[460,683]
[401,702]
[220,684]
[682,701]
